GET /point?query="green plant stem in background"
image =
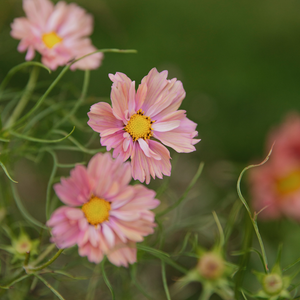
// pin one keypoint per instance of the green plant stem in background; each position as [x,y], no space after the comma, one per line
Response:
[106,279]
[254,217]
[234,213]
[23,210]
[25,98]
[206,293]
[61,74]
[43,255]
[18,279]
[174,205]
[6,172]
[30,269]
[50,287]
[32,139]
[221,233]
[247,242]
[164,278]
[49,186]
[80,100]
[18,68]
[26,259]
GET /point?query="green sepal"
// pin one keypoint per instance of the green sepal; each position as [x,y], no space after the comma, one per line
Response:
[259,275]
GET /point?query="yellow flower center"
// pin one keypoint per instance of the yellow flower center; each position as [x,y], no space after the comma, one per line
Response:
[139,126]
[289,184]
[50,39]
[96,210]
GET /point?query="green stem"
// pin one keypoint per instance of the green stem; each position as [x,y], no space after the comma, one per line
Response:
[206,293]
[245,258]
[25,98]
[178,202]
[62,73]
[22,209]
[163,273]
[49,186]
[106,280]
[55,292]
[43,255]
[253,218]
[49,262]
[26,258]
[16,279]
[80,100]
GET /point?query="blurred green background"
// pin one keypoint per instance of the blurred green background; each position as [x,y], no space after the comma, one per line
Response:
[239,62]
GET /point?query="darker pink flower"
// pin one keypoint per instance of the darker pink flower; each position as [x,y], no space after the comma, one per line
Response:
[103,214]
[275,186]
[139,123]
[60,33]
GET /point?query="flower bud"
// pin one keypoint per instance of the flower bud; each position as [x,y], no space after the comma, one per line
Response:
[272,284]
[23,244]
[211,266]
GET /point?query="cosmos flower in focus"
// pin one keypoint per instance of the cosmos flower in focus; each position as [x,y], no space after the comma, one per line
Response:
[60,33]
[139,123]
[275,186]
[103,215]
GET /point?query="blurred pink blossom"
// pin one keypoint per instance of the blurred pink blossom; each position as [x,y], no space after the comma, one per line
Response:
[135,118]
[60,33]
[103,214]
[275,186]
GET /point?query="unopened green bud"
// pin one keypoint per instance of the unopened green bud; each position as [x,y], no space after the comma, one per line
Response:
[272,284]
[23,244]
[211,266]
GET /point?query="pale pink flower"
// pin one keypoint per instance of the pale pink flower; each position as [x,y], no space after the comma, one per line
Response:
[103,214]
[60,33]
[137,118]
[275,186]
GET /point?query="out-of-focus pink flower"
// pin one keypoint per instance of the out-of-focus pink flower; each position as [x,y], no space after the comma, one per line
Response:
[103,214]
[275,186]
[135,118]
[60,33]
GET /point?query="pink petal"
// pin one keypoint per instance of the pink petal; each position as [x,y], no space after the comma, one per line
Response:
[108,235]
[181,138]
[76,189]
[141,96]
[102,119]
[121,94]
[122,255]
[38,11]
[148,152]
[165,126]
[143,166]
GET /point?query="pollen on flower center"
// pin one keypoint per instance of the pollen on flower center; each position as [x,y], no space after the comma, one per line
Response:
[96,210]
[139,126]
[50,39]
[289,183]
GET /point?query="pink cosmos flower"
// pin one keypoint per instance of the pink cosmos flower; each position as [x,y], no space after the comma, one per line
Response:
[275,186]
[58,32]
[103,214]
[137,118]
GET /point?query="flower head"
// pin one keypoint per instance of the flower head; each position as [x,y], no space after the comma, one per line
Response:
[60,33]
[137,118]
[213,271]
[274,284]
[103,214]
[211,266]
[21,246]
[275,186]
